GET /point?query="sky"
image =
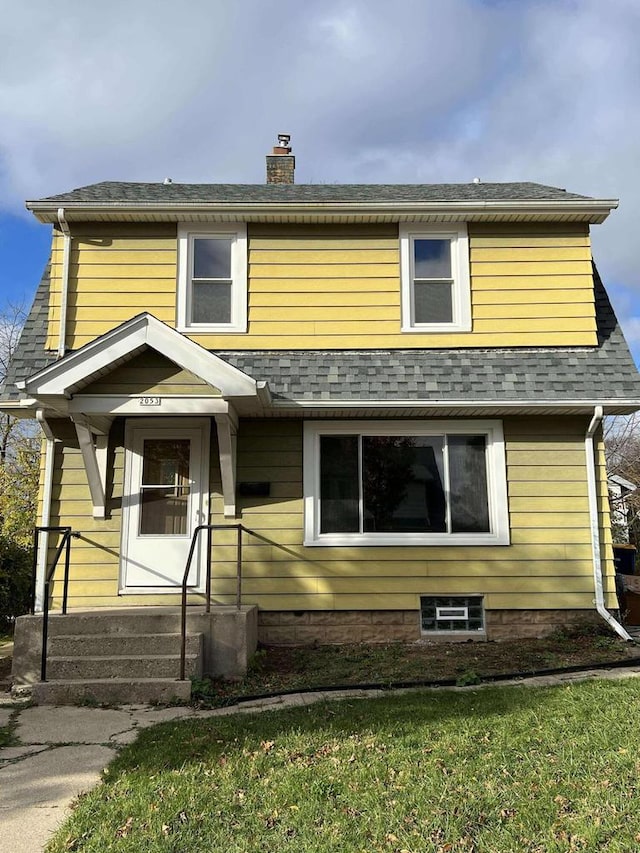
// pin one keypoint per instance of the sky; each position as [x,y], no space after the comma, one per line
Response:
[371,91]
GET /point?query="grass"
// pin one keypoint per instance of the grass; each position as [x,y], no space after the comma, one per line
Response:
[500,769]
[276,669]
[6,736]
[7,733]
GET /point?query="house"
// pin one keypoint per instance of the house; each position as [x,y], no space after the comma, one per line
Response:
[621,492]
[396,392]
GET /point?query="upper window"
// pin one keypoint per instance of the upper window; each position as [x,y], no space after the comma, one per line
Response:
[436,294]
[212,278]
[413,483]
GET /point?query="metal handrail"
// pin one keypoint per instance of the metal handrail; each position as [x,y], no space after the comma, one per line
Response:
[64,545]
[183,613]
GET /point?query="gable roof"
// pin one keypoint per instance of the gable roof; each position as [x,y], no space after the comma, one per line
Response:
[325,202]
[556,375]
[79,369]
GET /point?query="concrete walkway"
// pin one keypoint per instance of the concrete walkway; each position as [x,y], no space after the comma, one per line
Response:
[62,751]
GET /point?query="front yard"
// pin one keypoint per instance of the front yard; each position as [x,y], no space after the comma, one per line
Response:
[497,770]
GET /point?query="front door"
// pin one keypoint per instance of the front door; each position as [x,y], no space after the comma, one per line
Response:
[164,501]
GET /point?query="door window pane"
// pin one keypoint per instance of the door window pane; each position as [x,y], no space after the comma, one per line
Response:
[403,489]
[164,511]
[165,462]
[165,488]
[339,484]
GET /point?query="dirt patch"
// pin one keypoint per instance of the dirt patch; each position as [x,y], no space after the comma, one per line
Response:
[276,668]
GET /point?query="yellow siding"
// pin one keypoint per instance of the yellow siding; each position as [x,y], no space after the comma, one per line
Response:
[116,271]
[334,287]
[547,565]
[150,373]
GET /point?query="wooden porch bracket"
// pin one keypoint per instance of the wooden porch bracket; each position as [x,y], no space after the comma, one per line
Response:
[94,457]
[227,428]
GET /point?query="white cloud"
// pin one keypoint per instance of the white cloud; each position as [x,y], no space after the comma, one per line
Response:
[416,90]
[632,331]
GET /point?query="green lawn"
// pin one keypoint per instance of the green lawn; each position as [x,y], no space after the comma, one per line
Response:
[501,769]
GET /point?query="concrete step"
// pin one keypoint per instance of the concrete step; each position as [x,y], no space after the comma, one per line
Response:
[90,667]
[131,621]
[82,645]
[112,691]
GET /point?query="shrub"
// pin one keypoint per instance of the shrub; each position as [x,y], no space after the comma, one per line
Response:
[16,562]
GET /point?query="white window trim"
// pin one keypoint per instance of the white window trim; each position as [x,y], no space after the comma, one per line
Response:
[186,235]
[461,295]
[496,482]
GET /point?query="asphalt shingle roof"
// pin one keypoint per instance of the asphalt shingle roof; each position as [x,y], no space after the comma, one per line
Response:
[554,374]
[30,354]
[114,192]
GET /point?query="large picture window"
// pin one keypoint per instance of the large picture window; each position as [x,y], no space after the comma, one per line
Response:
[436,295]
[212,278]
[410,483]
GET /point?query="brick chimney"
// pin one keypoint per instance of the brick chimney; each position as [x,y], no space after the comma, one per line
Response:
[281,163]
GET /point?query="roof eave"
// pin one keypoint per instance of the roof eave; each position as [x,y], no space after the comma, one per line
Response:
[327,407]
[381,408]
[592,211]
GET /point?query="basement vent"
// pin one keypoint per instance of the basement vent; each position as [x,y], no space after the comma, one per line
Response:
[451,613]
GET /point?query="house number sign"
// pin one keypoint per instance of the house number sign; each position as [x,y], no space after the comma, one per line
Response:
[150,401]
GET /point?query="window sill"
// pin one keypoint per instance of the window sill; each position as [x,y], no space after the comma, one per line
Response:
[436,328]
[206,330]
[407,540]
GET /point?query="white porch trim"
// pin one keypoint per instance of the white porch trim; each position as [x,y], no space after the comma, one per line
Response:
[173,404]
[58,389]
[94,457]
[227,428]
[97,358]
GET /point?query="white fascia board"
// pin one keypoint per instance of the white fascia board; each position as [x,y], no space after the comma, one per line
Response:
[191,356]
[75,367]
[20,408]
[78,368]
[176,404]
[595,210]
[587,405]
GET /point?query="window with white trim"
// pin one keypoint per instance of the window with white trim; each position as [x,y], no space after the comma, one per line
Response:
[212,278]
[409,483]
[451,613]
[436,291]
